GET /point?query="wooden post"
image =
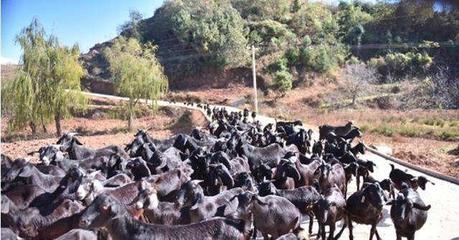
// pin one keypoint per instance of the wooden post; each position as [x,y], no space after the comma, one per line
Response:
[254,79]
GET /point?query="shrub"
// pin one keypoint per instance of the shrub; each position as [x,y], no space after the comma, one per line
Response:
[322,58]
[283,81]
[353,60]
[400,65]
[385,102]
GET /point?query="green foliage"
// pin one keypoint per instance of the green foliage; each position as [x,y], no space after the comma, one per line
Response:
[322,58]
[130,29]
[351,19]
[283,81]
[280,65]
[292,55]
[270,32]
[136,72]
[48,82]
[315,21]
[353,60]
[400,65]
[258,10]
[212,28]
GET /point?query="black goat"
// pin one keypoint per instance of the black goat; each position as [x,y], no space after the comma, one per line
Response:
[408,213]
[107,212]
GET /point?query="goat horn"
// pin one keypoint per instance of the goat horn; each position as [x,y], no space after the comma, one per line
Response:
[72,134]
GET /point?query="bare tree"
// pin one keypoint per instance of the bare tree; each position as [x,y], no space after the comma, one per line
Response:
[357,79]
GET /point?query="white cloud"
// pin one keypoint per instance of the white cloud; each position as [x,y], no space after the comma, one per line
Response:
[4,61]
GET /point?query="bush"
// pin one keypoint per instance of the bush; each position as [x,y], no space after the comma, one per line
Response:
[322,58]
[385,102]
[353,60]
[213,28]
[400,65]
[283,81]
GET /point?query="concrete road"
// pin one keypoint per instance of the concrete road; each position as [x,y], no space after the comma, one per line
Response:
[443,219]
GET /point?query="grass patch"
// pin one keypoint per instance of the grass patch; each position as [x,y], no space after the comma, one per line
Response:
[383,129]
[433,130]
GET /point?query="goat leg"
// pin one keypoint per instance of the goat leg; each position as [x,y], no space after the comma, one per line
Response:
[311,222]
[265,236]
[372,231]
[332,231]
[342,228]
[358,181]
[351,236]
[254,236]
[322,231]
[377,234]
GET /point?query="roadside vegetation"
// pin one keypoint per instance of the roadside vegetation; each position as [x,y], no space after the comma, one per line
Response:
[136,72]
[47,84]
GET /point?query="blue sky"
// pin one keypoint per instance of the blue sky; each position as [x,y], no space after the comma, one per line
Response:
[85,22]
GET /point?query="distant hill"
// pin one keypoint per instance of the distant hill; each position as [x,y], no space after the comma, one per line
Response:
[8,71]
[296,40]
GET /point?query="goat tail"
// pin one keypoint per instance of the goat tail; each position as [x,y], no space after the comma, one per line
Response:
[392,166]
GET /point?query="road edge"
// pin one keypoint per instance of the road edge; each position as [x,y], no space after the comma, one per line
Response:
[429,172]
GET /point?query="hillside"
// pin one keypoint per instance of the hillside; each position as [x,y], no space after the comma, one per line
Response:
[8,71]
[205,43]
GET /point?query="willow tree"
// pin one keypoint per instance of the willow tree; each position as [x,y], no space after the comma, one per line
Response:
[136,72]
[47,85]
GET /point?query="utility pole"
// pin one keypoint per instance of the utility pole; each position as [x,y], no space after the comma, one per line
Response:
[254,79]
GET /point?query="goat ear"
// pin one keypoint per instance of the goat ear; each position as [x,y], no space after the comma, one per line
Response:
[78,141]
[106,207]
[421,207]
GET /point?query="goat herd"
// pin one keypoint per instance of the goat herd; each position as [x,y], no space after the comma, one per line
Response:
[232,181]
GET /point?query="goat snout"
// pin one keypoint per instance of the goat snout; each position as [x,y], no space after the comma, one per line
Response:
[84,223]
[81,193]
[139,205]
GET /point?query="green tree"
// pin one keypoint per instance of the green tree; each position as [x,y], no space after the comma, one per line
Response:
[48,82]
[136,72]
[283,81]
[131,27]
[351,19]
[212,28]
